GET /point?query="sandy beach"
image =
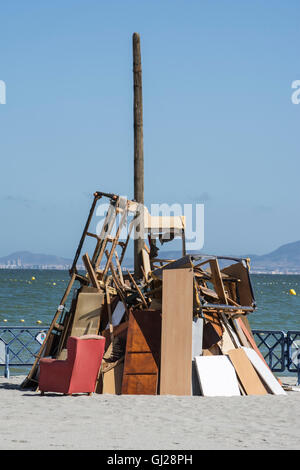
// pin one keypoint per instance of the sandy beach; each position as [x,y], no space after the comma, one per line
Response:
[29,421]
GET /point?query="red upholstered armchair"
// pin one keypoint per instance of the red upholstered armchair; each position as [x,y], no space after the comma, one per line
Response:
[78,373]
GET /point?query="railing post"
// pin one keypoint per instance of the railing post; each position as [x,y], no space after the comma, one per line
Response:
[6,370]
[298,367]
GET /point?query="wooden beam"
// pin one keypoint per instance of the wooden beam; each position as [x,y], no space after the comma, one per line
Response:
[138,148]
[92,275]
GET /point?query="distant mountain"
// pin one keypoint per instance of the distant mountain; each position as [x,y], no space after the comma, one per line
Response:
[285,259]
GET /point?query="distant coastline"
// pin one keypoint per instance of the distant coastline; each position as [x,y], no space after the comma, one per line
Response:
[283,260]
[81,268]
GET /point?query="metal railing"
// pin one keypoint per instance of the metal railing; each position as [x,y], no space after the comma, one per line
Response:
[280,349]
[20,345]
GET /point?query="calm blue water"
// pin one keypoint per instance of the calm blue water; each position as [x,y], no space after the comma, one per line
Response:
[276,308]
[22,298]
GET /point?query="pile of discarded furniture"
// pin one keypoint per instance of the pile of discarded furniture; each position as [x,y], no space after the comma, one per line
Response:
[180,329]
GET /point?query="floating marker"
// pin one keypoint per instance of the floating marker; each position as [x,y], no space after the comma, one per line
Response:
[22,321]
[39,322]
[5,320]
[54,283]
[292,292]
[33,278]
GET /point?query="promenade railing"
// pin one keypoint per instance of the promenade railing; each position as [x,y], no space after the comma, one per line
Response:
[19,346]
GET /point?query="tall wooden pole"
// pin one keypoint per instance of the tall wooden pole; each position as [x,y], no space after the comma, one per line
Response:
[138,146]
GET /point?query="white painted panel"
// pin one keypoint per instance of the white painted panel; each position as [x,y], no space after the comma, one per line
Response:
[197,337]
[117,314]
[264,372]
[217,376]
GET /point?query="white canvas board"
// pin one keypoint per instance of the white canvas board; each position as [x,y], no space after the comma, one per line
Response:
[264,372]
[217,377]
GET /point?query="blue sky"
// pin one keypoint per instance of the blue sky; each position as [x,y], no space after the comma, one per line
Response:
[219,124]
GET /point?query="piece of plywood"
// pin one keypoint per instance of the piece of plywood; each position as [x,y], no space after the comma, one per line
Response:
[239,271]
[112,380]
[176,341]
[248,376]
[87,314]
[142,357]
[217,376]
[232,333]
[264,372]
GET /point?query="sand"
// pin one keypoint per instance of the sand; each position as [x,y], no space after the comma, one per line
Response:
[30,421]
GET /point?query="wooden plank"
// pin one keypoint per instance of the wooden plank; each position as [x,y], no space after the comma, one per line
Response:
[109,313]
[217,280]
[176,343]
[142,357]
[248,376]
[138,289]
[217,376]
[264,372]
[146,264]
[250,338]
[92,275]
[240,333]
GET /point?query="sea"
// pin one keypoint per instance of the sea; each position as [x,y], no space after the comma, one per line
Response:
[31,297]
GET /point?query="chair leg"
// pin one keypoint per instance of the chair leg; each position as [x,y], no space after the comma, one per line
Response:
[42,393]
